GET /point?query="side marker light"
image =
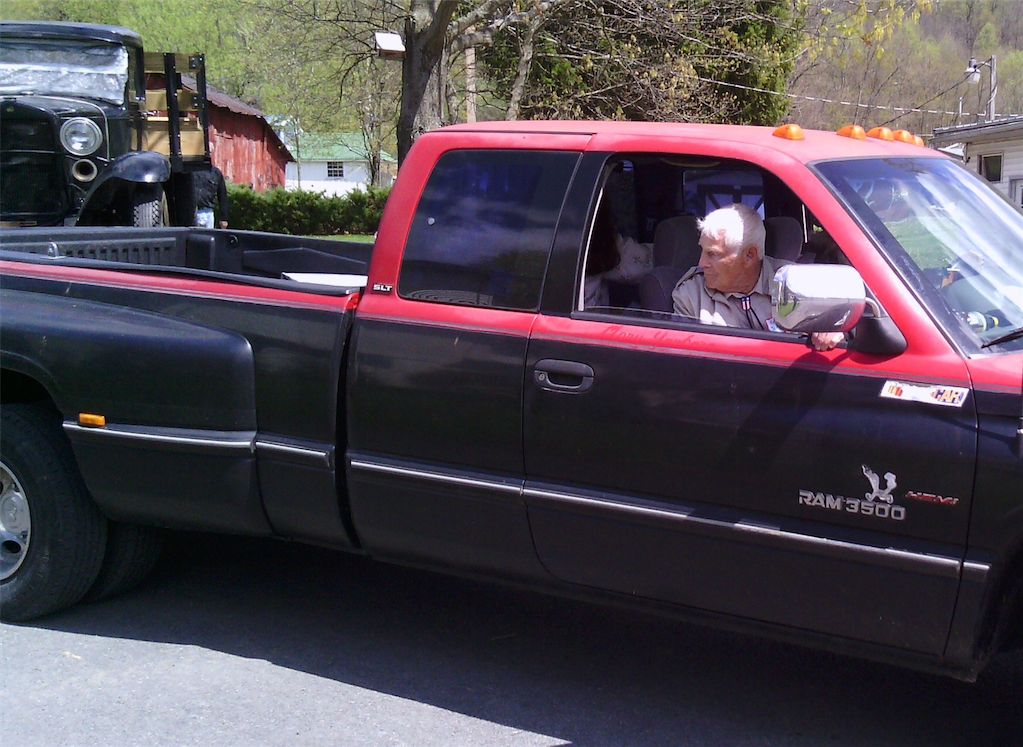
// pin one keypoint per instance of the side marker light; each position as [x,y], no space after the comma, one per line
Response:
[90,420]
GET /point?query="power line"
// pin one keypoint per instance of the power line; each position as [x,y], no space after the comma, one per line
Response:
[935,96]
[857,104]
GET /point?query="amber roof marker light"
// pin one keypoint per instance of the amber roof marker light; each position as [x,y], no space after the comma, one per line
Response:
[881,133]
[789,132]
[853,131]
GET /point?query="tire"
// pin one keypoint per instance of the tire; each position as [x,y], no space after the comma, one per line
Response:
[131,553]
[53,535]
[148,206]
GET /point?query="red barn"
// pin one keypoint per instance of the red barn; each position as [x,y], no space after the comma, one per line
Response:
[243,143]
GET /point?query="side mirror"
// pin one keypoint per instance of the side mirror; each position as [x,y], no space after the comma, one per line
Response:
[817,298]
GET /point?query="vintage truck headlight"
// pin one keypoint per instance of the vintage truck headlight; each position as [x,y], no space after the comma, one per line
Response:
[80,136]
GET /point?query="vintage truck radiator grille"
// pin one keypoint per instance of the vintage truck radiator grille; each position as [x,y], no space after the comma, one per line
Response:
[30,186]
[31,181]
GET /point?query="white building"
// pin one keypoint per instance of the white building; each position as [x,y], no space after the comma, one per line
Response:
[992,149]
[334,163]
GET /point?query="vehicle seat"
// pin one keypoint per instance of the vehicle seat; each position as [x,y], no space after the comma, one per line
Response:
[676,249]
[784,238]
[677,242]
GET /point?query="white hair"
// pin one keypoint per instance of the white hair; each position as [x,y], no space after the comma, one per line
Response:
[739,225]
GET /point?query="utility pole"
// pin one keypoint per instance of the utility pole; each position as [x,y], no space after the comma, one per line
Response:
[973,75]
[993,69]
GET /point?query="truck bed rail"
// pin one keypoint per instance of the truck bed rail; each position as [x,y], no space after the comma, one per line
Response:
[241,256]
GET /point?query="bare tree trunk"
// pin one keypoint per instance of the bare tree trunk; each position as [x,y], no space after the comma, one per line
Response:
[425,29]
[298,156]
[371,147]
[522,74]
[470,84]
[449,94]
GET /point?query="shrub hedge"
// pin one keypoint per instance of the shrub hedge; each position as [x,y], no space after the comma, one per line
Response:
[303,213]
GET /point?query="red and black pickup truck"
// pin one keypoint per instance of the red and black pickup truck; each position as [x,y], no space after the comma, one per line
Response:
[449,399]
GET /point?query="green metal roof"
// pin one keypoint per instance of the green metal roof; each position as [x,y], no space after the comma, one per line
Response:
[334,146]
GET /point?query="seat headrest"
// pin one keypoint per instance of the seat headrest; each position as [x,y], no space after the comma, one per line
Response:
[677,242]
[784,238]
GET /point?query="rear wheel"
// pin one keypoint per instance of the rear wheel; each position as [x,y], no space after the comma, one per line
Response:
[52,536]
[131,553]
[148,206]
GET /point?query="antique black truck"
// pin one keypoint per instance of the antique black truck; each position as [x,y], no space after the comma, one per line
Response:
[94,131]
[448,398]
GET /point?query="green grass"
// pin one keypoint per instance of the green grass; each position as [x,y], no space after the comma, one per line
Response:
[362,238]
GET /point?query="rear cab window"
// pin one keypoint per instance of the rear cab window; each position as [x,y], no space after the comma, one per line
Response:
[483,229]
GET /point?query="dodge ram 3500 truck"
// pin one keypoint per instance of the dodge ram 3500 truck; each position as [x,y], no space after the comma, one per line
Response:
[448,399]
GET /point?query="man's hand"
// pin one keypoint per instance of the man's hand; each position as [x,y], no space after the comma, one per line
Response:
[822,341]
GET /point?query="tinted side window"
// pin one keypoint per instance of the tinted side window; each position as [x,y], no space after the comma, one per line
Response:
[484,228]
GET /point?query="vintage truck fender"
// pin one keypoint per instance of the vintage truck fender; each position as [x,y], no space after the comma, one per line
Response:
[139,167]
[177,447]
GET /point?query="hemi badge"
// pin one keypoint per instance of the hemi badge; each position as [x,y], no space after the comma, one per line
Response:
[930,394]
[90,420]
[382,288]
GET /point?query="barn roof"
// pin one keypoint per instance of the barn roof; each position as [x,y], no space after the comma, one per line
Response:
[222,100]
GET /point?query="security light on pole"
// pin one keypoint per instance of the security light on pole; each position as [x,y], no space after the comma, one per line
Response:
[972,73]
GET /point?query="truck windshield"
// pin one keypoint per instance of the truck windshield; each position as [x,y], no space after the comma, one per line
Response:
[959,241]
[64,67]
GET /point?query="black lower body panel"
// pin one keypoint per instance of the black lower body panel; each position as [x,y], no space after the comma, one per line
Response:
[172,477]
[427,514]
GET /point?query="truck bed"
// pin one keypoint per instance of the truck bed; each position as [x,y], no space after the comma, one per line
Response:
[274,260]
[216,370]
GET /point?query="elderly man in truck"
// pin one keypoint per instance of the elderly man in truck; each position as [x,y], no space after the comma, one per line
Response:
[731,285]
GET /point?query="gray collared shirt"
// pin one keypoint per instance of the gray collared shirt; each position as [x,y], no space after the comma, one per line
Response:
[694,299]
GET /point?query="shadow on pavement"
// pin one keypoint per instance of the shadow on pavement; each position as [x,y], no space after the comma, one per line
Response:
[578,672]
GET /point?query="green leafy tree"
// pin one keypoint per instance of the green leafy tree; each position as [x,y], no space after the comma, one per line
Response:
[640,60]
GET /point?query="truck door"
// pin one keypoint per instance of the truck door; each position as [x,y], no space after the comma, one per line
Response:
[435,384]
[740,472]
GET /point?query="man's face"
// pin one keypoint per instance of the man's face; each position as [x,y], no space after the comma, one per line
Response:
[726,271]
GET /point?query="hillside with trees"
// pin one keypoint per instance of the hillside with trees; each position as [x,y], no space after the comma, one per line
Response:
[823,63]
[916,60]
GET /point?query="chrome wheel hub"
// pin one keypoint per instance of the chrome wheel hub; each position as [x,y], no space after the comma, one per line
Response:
[15,523]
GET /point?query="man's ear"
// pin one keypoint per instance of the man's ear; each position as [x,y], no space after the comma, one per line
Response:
[751,253]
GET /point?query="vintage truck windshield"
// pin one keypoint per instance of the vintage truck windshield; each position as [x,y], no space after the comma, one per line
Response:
[961,242]
[89,69]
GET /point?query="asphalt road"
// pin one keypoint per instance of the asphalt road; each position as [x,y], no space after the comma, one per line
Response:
[239,642]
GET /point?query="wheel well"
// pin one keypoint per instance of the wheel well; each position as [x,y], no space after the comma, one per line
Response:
[17,387]
[1003,629]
